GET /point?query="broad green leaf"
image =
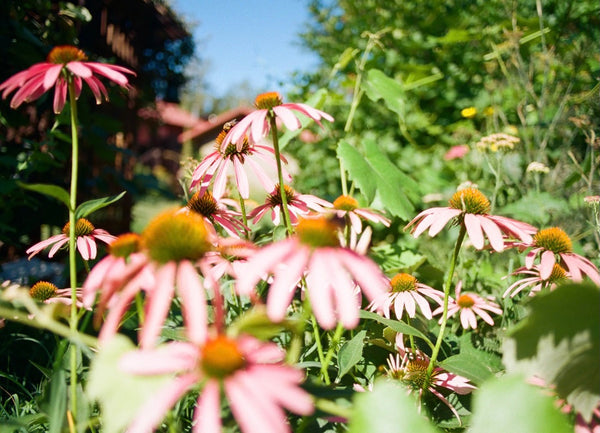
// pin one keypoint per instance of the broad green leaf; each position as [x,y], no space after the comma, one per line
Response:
[379,86]
[50,190]
[508,404]
[387,409]
[86,208]
[57,402]
[350,353]
[358,168]
[120,394]
[537,208]
[467,366]
[560,342]
[396,325]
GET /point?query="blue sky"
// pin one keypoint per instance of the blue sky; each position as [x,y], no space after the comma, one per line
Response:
[254,40]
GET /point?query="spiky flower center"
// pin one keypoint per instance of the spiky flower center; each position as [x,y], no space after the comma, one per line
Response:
[415,373]
[557,275]
[82,228]
[318,232]
[176,236]
[470,200]
[266,101]
[64,54]
[274,199]
[232,150]
[553,239]
[221,357]
[465,301]
[125,245]
[345,202]
[43,290]
[205,205]
[403,283]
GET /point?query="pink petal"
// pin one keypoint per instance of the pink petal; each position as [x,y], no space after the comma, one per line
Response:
[492,232]
[171,358]
[193,302]
[287,276]
[79,69]
[474,230]
[51,76]
[289,119]
[320,293]
[547,264]
[208,411]
[158,304]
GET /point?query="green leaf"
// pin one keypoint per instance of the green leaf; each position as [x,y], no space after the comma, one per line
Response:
[255,322]
[358,168]
[560,342]
[50,190]
[377,86]
[57,402]
[396,325]
[350,353]
[120,394]
[387,409]
[467,366]
[86,208]
[508,404]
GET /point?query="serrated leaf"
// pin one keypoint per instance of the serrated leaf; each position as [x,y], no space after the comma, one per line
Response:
[560,342]
[387,409]
[508,404]
[350,353]
[120,394]
[49,190]
[358,168]
[90,206]
[396,325]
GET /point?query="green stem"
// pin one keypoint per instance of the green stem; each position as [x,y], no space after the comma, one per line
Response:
[315,327]
[72,241]
[284,205]
[333,408]
[244,216]
[339,330]
[448,283]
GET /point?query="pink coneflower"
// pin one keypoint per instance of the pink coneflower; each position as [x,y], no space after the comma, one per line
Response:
[251,374]
[257,125]
[215,166]
[49,293]
[552,242]
[172,245]
[406,293]
[470,207]
[332,273]
[215,212]
[63,63]
[470,305]
[347,207]
[534,280]
[86,235]
[456,152]
[298,205]
[411,369]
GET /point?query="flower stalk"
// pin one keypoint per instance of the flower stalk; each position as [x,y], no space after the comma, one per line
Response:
[284,204]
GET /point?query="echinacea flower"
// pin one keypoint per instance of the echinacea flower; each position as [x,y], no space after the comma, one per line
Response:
[534,280]
[331,272]
[257,124]
[469,306]
[215,211]
[406,293]
[456,152]
[410,368]
[347,207]
[552,243]
[469,207]
[298,205]
[257,384]
[86,235]
[215,166]
[45,291]
[62,64]
[172,245]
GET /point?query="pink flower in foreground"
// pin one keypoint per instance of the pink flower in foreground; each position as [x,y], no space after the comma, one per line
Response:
[251,374]
[48,293]
[347,207]
[215,212]
[406,293]
[298,205]
[469,207]
[552,242]
[215,166]
[173,244]
[411,369]
[469,306]
[332,273]
[62,63]
[257,124]
[86,235]
[535,281]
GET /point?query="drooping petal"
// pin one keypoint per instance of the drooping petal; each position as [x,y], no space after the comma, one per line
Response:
[193,302]
[158,304]
[474,230]
[208,411]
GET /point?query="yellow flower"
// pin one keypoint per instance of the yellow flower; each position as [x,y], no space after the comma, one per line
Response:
[468,112]
[488,111]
